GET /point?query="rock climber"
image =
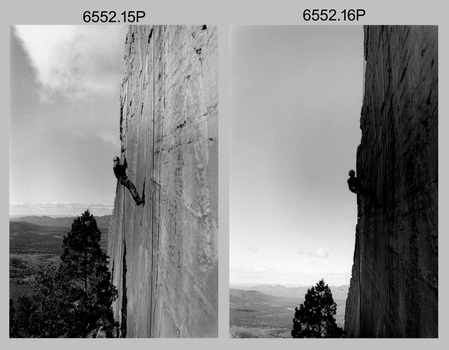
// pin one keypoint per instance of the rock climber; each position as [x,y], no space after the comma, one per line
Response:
[120,174]
[355,186]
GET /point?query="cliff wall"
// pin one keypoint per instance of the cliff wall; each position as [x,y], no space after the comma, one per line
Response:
[394,284]
[163,254]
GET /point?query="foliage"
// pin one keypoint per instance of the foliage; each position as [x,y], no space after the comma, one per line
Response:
[12,311]
[20,322]
[74,299]
[315,317]
[87,268]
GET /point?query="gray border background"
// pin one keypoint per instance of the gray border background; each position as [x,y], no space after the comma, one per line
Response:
[223,14]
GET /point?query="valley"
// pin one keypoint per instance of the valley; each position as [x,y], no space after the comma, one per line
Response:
[255,314]
[36,242]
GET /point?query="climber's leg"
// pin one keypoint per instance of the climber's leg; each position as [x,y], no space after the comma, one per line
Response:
[126,182]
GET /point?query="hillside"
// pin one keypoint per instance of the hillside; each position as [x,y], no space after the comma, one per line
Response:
[29,238]
[33,247]
[254,314]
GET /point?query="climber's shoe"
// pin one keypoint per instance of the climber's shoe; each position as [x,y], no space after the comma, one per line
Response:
[140,201]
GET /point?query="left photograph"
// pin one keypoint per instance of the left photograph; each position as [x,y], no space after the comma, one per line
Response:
[113,181]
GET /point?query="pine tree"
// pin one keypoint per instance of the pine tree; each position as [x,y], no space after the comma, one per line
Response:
[89,287]
[315,317]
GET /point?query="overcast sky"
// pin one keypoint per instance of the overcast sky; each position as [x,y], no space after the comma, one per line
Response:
[296,97]
[64,88]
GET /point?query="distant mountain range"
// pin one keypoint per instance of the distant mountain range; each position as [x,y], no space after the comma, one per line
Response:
[102,221]
[55,209]
[338,292]
[239,297]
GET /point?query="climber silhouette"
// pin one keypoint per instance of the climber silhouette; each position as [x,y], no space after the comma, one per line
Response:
[355,186]
[120,174]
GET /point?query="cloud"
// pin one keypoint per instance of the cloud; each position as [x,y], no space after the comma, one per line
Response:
[319,253]
[314,264]
[291,276]
[252,249]
[75,61]
[106,136]
[78,134]
[110,138]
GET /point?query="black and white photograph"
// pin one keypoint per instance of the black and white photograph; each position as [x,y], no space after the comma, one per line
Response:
[333,182]
[113,191]
[196,174]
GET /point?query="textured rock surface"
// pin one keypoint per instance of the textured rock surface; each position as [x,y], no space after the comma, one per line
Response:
[164,256]
[394,284]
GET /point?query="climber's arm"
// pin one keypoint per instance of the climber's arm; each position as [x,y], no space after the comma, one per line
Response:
[352,187]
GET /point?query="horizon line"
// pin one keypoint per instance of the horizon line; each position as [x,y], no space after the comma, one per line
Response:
[78,203]
[286,285]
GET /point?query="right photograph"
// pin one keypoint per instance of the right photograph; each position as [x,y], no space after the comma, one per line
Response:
[333,220]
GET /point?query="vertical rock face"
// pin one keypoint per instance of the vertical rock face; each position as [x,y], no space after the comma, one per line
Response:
[394,284]
[163,254]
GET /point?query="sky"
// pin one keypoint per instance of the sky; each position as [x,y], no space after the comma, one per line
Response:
[295,100]
[64,121]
